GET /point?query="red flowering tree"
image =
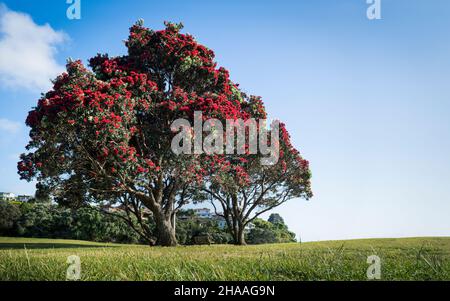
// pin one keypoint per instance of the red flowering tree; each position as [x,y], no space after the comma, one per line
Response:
[244,188]
[104,134]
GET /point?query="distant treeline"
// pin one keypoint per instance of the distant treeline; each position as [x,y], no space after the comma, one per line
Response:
[47,220]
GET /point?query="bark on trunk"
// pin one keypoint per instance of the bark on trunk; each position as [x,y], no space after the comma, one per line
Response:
[239,237]
[165,232]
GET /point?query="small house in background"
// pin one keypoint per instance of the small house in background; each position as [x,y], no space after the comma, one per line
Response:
[24,198]
[7,196]
[203,213]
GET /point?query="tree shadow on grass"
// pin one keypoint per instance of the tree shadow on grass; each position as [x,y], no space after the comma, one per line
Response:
[17,246]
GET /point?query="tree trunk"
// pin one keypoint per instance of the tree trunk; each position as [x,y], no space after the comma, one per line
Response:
[165,232]
[239,237]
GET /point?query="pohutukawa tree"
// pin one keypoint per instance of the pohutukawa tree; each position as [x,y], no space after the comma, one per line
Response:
[244,188]
[104,133]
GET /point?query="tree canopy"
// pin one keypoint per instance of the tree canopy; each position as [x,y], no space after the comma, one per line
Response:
[104,135]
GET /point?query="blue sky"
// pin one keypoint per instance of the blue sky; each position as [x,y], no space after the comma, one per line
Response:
[366,101]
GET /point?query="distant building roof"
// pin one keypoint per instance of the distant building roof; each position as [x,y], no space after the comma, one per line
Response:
[7,194]
[202,209]
[24,198]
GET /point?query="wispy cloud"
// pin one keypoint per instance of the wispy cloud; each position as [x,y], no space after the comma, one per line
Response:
[9,126]
[27,51]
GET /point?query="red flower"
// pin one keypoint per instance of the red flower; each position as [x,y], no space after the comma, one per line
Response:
[140,169]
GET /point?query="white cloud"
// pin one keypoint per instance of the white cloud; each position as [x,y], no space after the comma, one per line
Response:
[9,126]
[27,51]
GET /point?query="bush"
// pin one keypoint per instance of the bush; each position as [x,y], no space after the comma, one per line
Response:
[188,228]
[9,216]
[51,221]
[265,232]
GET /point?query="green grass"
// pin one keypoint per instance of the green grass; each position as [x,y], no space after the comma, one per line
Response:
[401,259]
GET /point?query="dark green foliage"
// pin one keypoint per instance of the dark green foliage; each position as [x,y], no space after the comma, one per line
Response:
[93,225]
[51,221]
[266,232]
[275,218]
[189,226]
[42,194]
[44,220]
[9,214]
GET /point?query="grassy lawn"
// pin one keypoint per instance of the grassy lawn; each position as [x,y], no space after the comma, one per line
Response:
[401,259]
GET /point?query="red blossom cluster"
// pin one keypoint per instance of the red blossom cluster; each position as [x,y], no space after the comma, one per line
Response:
[27,167]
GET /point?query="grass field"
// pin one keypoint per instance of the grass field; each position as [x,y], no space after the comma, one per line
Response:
[401,259]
